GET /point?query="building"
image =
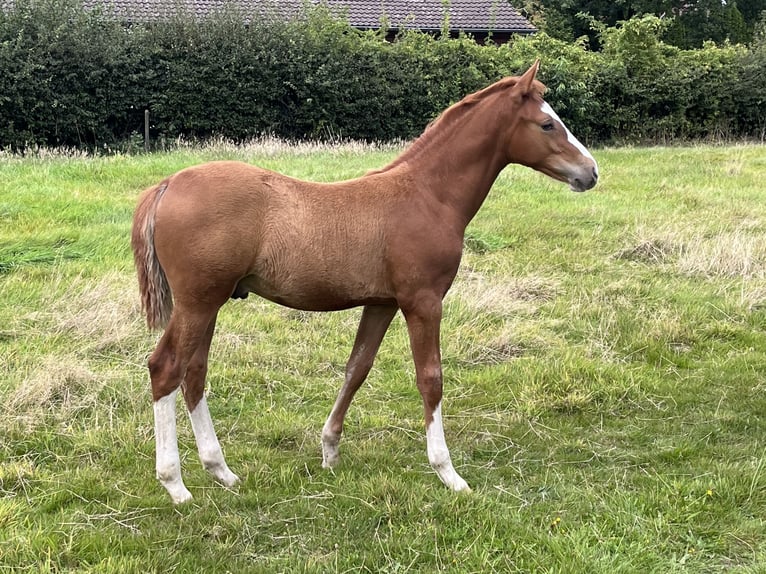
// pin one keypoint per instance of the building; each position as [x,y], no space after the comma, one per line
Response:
[482,19]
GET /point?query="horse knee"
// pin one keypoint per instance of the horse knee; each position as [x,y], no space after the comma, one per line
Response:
[429,383]
[431,375]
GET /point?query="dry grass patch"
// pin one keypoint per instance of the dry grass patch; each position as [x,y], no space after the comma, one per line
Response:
[264,146]
[99,315]
[740,252]
[489,317]
[61,386]
[501,348]
[753,295]
[647,251]
[502,296]
[83,329]
[269,146]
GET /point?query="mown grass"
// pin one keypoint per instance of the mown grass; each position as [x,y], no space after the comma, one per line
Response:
[605,391]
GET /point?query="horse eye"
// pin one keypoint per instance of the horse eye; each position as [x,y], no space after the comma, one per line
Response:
[547,127]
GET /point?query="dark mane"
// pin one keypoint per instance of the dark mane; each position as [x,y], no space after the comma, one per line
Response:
[450,115]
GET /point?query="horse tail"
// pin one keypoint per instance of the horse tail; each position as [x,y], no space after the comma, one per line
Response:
[156,298]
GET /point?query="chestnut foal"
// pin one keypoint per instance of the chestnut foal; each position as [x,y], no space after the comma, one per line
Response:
[389,240]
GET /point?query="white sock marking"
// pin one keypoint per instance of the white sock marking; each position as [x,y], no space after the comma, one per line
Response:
[209,448]
[167,459]
[438,453]
[547,109]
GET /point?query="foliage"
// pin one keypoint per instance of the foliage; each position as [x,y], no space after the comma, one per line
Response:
[690,24]
[750,94]
[567,71]
[71,77]
[661,92]
[67,77]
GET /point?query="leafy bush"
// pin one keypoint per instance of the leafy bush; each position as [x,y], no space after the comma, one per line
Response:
[79,78]
[748,93]
[657,91]
[67,77]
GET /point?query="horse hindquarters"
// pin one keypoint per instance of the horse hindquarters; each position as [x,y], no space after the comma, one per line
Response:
[180,358]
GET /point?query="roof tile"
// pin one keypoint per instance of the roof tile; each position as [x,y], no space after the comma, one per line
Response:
[466,15]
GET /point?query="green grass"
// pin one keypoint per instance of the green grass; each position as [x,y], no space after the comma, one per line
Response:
[605,391]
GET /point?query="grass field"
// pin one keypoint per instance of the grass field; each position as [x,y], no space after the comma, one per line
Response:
[605,385]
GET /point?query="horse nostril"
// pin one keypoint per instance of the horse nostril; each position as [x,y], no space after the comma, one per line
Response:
[595,174]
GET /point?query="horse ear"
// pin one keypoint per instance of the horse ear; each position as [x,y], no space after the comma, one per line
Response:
[524,85]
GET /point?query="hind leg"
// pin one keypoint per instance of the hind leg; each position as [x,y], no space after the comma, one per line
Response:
[168,462]
[209,448]
[167,368]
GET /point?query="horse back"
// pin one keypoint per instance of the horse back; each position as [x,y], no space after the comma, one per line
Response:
[233,227]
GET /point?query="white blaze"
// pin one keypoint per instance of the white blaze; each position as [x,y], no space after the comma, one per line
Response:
[547,109]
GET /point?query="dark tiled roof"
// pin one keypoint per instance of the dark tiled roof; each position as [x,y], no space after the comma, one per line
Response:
[467,15]
[148,10]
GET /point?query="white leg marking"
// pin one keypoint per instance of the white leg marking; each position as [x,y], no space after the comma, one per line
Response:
[330,438]
[438,453]
[330,441]
[547,109]
[168,461]
[210,452]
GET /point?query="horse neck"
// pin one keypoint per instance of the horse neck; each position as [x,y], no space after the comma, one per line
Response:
[460,158]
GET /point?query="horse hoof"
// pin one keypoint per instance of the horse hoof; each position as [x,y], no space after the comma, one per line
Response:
[330,451]
[228,478]
[330,461]
[178,493]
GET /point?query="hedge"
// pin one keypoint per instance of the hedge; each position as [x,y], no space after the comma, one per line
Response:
[73,77]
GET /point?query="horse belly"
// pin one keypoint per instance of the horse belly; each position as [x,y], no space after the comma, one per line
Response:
[315,287]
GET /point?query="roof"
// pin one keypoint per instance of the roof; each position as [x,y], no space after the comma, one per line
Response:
[426,15]
[466,15]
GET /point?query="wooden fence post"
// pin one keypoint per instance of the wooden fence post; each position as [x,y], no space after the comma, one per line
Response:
[146,130]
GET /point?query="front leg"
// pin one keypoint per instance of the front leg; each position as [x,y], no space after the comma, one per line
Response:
[373,325]
[423,322]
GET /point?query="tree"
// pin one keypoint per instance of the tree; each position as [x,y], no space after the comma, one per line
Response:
[692,21]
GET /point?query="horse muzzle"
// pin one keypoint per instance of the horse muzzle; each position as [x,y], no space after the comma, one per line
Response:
[584,180]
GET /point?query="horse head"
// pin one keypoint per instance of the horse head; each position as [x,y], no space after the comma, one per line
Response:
[541,140]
